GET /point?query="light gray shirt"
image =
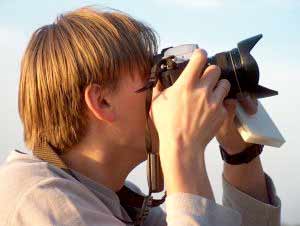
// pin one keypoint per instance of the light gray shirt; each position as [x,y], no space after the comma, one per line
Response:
[33,192]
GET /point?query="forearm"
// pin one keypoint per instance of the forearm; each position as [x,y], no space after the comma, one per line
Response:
[248,178]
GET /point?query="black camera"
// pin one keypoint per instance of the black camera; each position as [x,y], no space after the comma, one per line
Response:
[237,66]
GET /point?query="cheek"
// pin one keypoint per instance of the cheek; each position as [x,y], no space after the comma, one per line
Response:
[133,127]
[132,115]
[136,117]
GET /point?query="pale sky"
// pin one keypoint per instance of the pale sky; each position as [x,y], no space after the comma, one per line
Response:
[216,25]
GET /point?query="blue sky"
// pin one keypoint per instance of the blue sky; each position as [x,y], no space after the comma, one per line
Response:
[216,25]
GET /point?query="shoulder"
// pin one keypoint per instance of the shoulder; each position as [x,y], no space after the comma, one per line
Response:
[57,201]
[20,172]
[35,191]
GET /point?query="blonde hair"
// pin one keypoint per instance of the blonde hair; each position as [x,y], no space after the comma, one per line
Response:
[80,48]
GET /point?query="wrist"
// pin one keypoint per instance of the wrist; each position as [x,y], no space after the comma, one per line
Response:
[184,173]
[177,142]
[194,181]
[182,158]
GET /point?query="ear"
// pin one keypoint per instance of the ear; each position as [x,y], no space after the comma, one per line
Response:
[99,103]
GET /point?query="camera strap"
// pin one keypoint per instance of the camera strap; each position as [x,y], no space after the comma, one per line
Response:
[136,205]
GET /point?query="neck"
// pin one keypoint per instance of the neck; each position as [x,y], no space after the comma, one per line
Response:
[104,165]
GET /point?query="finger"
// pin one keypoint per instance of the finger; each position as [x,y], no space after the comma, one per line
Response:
[247,103]
[223,116]
[194,68]
[220,119]
[210,77]
[221,90]
[230,105]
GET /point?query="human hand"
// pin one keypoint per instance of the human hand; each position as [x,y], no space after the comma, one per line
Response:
[187,116]
[228,135]
[249,178]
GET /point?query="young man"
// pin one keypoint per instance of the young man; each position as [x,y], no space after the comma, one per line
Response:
[85,124]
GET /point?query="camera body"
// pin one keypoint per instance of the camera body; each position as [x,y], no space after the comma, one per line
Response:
[237,66]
